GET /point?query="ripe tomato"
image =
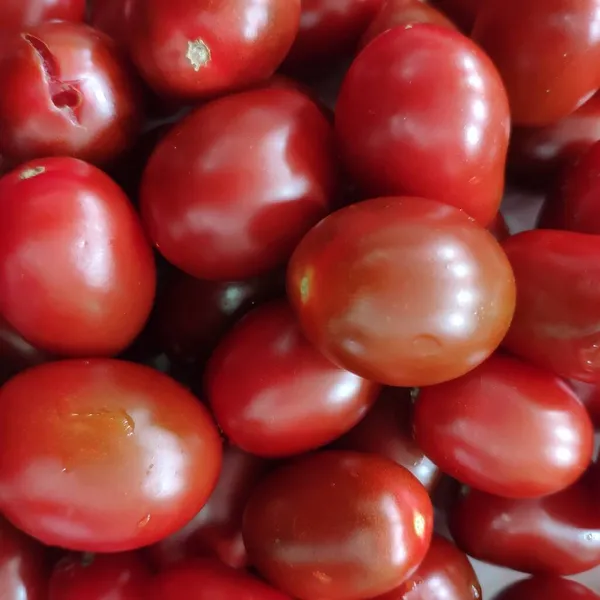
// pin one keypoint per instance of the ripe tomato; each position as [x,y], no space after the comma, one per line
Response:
[77,275]
[404,291]
[338,525]
[547,588]
[16,15]
[422,111]
[210,205]
[108,457]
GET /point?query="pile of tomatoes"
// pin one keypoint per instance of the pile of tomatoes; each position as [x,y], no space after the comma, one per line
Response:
[261,318]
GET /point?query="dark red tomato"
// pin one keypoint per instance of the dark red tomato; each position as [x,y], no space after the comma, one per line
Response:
[404,291]
[547,52]
[216,531]
[558,534]
[462,12]
[66,92]
[558,305]
[547,588]
[23,573]
[499,228]
[338,525]
[274,394]
[77,274]
[506,428]
[197,48]
[423,112]
[210,204]
[18,14]
[387,431]
[121,576]
[210,580]
[445,574]
[111,456]
[112,17]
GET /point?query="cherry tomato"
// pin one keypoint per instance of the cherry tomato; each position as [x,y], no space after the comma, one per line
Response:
[338,525]
[547,588]
[66,92]
[112,17]
[209,203]
[404,291]
[387,431]
[547,52]
[422,111]
[462,12]
[558,303]
[196,48]
[77,275]
[558,534]
[107,457]
[445,574]
[105,576]
[18,14]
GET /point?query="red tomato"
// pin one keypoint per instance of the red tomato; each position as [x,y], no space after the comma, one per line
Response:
[109,456]
[558,534]
[547,588]
[387,431]
[422,111]
[547,51]
[66,92]
[404,291]
[108,576]
[338,525]
[558,305]
[77,275]
[506,428]
[209,203]
[112,17]
[196,48]
[462,12]
[18,14]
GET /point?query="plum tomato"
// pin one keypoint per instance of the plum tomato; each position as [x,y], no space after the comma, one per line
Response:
[212,207]
[274,394]
[555,325]
[423,112]
[77,274]
[404,291]
[66,92]
[338,525]
[546,588]
[199,48]
[112,17]
[506,428]
[103,455]
[547,51]
[18,14]
[462,12]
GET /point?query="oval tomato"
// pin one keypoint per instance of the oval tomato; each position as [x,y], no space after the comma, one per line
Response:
[547,588]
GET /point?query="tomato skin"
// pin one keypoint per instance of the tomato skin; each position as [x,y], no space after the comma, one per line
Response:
[301,520]
[547,588]
[211,207]
[16,14]
[457,290]
[558,282]
[423,77]
[70,239]
[128,456]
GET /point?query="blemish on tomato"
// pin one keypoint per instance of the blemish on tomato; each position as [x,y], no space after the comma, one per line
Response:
[198,53]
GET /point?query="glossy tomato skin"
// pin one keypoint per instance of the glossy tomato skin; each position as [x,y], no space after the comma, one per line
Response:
[70,239]
[558,282]
[67,92]
[274,394]
[547,588]
[447,95]
[198,48]
[301,523]
[17,14]
[210,205]
[547,52]
[347,276]
[506,428]
[110,457]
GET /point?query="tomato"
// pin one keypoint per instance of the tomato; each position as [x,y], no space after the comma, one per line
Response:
[558,280]
[115,576]
[404,291]
[66,93]
[462,12]
[107,457]
[210,205]
[557,534]
[445,574]
[338,525]
[23,573]
[547,588]
[17,14]
[197,48]
[387,430]
[547,52]
[422,111]
[112,17]
[77,275]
